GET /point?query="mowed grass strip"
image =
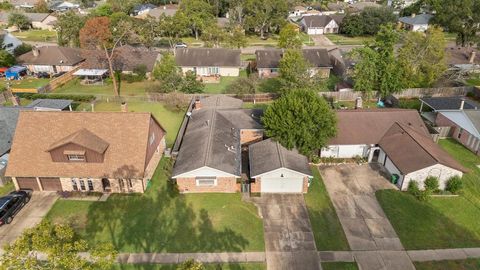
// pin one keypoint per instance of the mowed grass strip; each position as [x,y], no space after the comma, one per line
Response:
[161,220]
[326,227]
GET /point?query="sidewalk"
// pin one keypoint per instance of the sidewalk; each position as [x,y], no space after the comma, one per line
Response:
[174,258]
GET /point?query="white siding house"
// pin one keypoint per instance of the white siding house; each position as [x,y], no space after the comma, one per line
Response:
[321,24]
[209,61]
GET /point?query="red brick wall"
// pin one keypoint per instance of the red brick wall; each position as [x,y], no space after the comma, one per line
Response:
[224,185]
[154,128]
[248,136]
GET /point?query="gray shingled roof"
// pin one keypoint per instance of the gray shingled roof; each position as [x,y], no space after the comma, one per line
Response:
[317,20]
[212,138]
[450,103]
[8,123]
[58,104]
[417,19]
[268,155]
[52,55]
[207,57]
[271,58]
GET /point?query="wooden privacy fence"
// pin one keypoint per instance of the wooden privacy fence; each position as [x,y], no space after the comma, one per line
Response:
[262,97]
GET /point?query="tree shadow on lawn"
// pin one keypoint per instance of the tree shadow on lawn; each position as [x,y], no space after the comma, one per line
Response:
[158,221]
[420,226]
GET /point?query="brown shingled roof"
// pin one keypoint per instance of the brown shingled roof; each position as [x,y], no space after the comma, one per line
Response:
[84,138]
[37,131]
[411,151]
[52,55]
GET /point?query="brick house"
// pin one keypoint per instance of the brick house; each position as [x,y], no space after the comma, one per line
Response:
[213,155]
[51,59]
[85,151]
[268,61]
[207,62]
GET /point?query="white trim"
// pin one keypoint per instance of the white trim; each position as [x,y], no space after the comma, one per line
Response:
[282,168]
[192,173]
[199,178]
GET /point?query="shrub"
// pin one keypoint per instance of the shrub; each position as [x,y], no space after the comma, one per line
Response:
[315,159]
[421,195]
[176,102]
[140,70]
[24,48]
[431,184]
[454,184]
[130,78]
[79,98]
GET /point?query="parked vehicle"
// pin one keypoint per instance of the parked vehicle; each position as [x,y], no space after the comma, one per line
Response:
[180,45]
[42,75]
[56,75]
[11,204]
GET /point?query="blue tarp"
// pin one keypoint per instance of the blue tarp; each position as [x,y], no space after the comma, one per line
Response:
[14,72]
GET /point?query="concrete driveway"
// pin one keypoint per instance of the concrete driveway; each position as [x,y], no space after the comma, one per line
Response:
[369,232]
[28,217]
[289,242]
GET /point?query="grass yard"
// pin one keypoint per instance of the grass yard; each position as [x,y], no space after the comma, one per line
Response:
[29,82]
[7,188]
[161,220]
[126,89]
[339,266]
[233,266]
[171,121]
[469,264]
[37,35]
[326,227]
[473,81]
[225,81]
[339,39]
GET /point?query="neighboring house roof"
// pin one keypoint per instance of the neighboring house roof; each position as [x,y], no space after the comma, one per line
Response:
[212,138]
[168,10]
[317,20]
[419,19]
[141,7]
[338,6]
[32,17]
[207,57]
[51,56]
[411,151]
[25,3]
[58,104]
[125,58]
[271,58]
[338,18]
[8,123]
[268,155]
[126,134]
[221,102]
[369,125]
[462,56]
[359,6]
[450,103]
[466,119]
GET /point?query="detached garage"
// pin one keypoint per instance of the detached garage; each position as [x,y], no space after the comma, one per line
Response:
[275,169]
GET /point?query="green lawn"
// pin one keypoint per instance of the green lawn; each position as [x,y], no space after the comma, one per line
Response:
[7,188]
[233,266]
[473,81]
[469,264]
[339,266]
[126,89]
[340,39]
[29,82]
[221,87]
[171,121]
[326,227]
[161,220]
[37,35]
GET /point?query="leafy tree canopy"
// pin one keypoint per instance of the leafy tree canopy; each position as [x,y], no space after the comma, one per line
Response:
[6,59]
[289,37]
[294,70]
[368,22]
[310,114]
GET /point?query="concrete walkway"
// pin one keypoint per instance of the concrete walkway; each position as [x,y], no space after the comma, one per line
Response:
[174,258]
[369,233]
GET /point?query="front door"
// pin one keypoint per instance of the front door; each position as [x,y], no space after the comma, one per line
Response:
[376,154]
[106,185]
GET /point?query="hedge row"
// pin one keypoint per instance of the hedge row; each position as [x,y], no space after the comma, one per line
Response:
[79,98]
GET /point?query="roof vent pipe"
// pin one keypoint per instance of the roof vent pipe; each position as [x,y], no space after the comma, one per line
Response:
[462,104]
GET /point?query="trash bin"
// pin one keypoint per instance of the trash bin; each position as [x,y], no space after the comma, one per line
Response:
[395,178]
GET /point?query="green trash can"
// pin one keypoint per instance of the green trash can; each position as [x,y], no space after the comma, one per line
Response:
[395,178]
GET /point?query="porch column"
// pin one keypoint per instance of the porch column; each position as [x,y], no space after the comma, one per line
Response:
[39,184]
[15,183]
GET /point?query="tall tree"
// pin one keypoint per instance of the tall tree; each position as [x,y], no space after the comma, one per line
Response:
[213,35]
[199,14]
[147,31]
[41,7]
[422,57]
[461,17]
[314,121]
[289,37]
[365,71]
[243,86]
[262,15]
[190,84]
[68,28]
[173,27]
[168,73]
[19,20]
[368,22]
[236,38]
[61,245]
[6,59]
[294,70]
[97,34]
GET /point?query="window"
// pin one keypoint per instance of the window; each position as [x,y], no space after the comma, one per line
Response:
[460,133]
[73,157]
[74,185]
[82,185]
[9,45]
[152,138]
[206,181]
[129,182]
[90,184]
[2,213]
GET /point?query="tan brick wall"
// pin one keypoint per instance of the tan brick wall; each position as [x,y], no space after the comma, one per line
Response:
[248,136]
[256,187]
[441,120]
[224,185]
[137,185]
[305,184]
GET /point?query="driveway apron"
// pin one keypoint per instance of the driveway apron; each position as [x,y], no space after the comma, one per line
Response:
[368,231]
[289,242]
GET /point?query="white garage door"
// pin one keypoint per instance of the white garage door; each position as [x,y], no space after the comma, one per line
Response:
[282,185]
